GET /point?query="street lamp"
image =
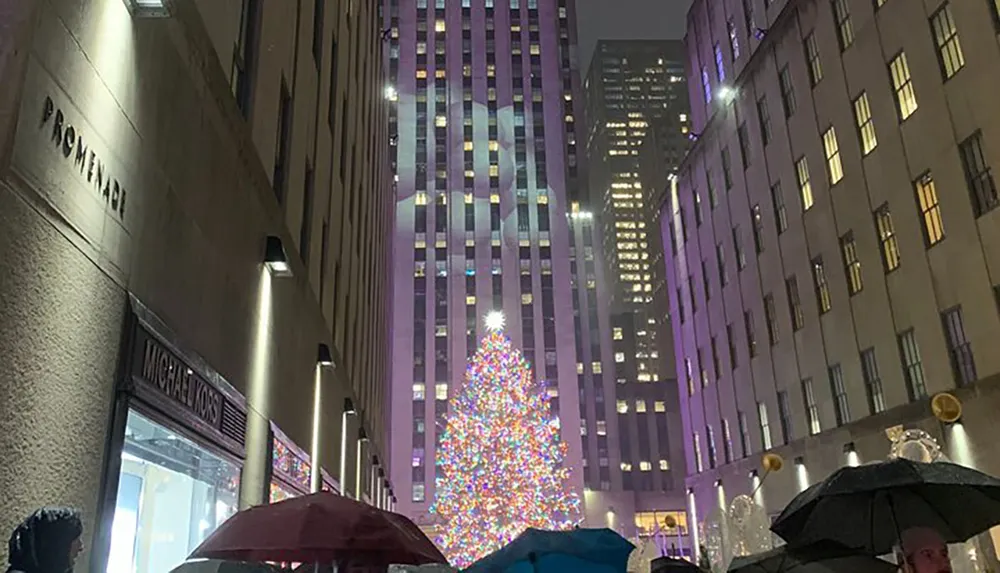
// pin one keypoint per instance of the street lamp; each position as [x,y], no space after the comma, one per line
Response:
[275,257]
[348,411]
[362,438]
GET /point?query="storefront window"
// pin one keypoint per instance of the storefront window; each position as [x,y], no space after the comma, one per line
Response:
[650,523]
[172,493]
[290,471]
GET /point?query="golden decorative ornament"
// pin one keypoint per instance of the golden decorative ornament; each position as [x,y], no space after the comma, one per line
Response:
[772,462]
[946,407]
[670,522]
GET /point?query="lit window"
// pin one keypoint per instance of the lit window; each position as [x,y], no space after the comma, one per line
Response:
[494,170]
[440,74]
[845,30]
[626,467]
[832,149]
[494,198]
[930,210]
[664,465]
[622,406]
[659,406]
[579,367]
[595,367]
[805,188]
[640,406]
[602,430]
[467,146]
[440,121]
[815,64]
[526,298]
[852,264]
[420,198]
[619,357]
[902,84]
[866,127]
[534,49]
[470,300]
[946,36]
[569,119]
[645,466]
[439,26]
[494,145]
[468,199]
[421,74]
[440,330]
[418,391]
[418,492]
[887,237]
[822,286]
[441,391]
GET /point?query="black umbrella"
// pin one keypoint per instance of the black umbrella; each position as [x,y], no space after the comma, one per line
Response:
[822,557]
[673,565]
[866,507]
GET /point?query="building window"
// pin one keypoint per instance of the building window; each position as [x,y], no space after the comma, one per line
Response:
[959,348]
[702,371]
[873,382]
[902,84]
[812,410]
[710,437]
[812,56]
[418,391]
[418,492]
[758,229]
[659,406]
[832,149]
[866,127]
[720,68]
[787,92]
[842,408]
[727,173]
[698,464]
[706,84]
[995,10]
[751,336]
[734,40]
[795,303]
[727,441]
[765,120]
[978,175]
[887,237]
[720,259]
[845,31]
[716,365]
[622,406]
[946,37]
[822,286]
[913,368]
[771,317]
[784,417]
[741,256]
[731,341]
[765,426]
[805,188]
[280,173]
[744,140]
[744,433]
[930,210]
[441,391]
[778,201]
[852,265]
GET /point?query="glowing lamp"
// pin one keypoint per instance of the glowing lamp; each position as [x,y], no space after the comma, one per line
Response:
[275,258]
[323,355]
[946,407]
[849,448]
[772,462]
[148,8]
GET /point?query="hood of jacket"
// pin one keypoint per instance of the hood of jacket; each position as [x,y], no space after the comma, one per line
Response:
[41,543]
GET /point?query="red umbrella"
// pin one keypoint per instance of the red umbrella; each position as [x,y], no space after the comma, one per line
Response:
[320,528]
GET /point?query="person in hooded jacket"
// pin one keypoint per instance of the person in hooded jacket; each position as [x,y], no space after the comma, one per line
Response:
[47,541]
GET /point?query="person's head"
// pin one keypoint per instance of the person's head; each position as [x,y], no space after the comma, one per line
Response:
[47,541]
[924,551]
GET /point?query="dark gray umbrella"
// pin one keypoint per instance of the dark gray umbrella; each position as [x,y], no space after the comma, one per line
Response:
[823,557]
[866,507]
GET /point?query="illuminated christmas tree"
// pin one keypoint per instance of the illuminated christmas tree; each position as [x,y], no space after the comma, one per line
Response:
[500,456]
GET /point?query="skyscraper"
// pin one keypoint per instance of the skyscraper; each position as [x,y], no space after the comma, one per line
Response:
[636,93]
[835,228]
[485,127]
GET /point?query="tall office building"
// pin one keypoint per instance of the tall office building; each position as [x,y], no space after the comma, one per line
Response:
[835,230]
[486,154]
[636,91]
[195,203]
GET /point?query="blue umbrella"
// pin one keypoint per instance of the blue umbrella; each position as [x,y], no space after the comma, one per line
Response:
[576,550]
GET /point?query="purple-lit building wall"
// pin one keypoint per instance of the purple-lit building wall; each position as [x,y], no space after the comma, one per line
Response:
[485,160]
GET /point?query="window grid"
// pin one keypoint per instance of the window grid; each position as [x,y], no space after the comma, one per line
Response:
[812,56]
[787,92]
[780,215]
[959,347]
[930,210]
[841,405]
[765,426]
[902,84]
[822,286]
[772,319]
[949,48]
[751,336]
[873,382]
[866,126]
[765,119]
[795,303]
[832,149]
[784,416]
[744,434]
[845,30]
[887,237]
[978,175]
[913,368]
[805,188]
[852,265]
[812,410]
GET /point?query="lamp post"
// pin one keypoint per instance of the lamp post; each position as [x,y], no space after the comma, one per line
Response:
[348,411]
[374,478]
[362,438]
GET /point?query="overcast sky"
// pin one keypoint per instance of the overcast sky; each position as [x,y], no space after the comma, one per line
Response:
[628,19]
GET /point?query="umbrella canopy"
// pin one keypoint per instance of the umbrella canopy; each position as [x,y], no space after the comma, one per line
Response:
[866,507]
[577,550]
[220,566]
[673,565]
[822,557]
[320,528]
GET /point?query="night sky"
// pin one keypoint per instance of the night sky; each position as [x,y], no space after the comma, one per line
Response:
[627,19]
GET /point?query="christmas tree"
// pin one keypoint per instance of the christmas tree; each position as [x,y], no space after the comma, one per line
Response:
[500,456]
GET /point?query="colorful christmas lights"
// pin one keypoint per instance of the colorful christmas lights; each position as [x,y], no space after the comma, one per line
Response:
[500,458]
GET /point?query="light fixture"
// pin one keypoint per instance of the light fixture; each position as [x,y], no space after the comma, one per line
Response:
[349,406]
[690,491]
[946,408]
[362,435]
[849,448]
[275,258]
[752,474]
[727,94]
[799,461]
[348,411]
[323,355]
[148,8]
[718,482]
